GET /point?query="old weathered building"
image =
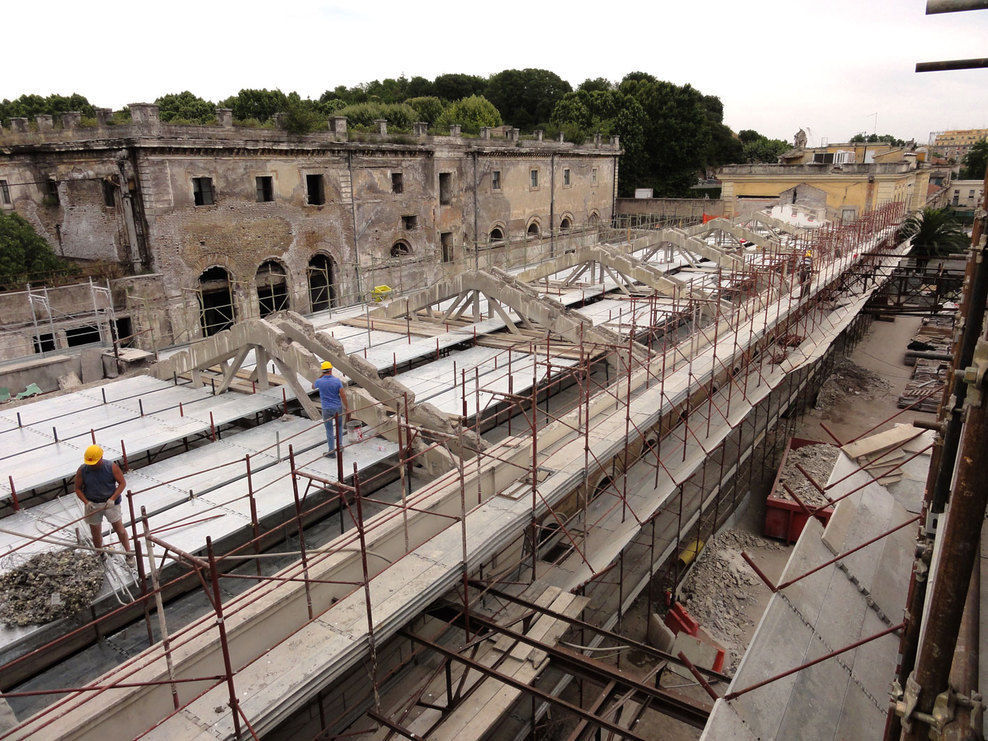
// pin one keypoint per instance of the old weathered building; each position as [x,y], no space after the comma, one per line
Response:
[242,222]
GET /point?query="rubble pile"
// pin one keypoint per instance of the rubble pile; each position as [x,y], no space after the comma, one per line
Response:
[818,460]
[849,379]
[48,586]
[719,587]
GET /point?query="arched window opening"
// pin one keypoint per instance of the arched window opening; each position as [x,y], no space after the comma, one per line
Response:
[216,311]
[272,288]
[496,235]
[594,219]
[533,230]
[401,249]
[565,225]
[322,290]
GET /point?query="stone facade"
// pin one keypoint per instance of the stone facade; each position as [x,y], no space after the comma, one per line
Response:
[202,205]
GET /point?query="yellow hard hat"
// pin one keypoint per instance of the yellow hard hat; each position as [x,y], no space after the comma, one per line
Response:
[326,365]
[93,455]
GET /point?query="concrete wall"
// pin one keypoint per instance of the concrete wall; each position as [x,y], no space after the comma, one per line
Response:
[662,209]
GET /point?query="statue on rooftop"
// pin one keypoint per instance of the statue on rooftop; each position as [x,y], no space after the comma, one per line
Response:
[799,139]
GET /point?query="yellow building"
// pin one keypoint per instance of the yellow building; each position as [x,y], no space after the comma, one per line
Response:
[956,142]
[842,190]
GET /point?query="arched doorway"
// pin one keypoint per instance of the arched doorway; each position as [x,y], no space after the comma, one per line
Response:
[216,311]
[533,230]
[322,291]
[272,288]
[496,235]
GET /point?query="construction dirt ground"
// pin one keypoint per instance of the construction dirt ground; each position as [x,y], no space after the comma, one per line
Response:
[721,591]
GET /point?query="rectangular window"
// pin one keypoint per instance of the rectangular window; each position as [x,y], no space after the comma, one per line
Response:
[566,176]
[593,176]
[202,191]
[535,178]
[44,342]
[409,222]
[4,192]
[109,194]
[51,192]
[265,188]
[445,188]
[315,191]
[82,336]
[397,182]
[496,180]
[970,194]
[446,242]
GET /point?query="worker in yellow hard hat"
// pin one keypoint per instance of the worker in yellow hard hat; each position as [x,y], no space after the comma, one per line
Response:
[333,400]
[99,484]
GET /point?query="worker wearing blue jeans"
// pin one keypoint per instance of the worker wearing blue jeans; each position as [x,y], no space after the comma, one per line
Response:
[332,398]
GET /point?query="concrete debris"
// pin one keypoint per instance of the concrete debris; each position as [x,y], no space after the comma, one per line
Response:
[849,379]
[818,460]
[48,586]
[69,381]
[720,586]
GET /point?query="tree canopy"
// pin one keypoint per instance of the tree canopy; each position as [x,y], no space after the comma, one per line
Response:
[185,107]
[935,233]
[526,97]
[975,161]
[758,148]
[29,106]
[877,139]
[23,254]
[470,113]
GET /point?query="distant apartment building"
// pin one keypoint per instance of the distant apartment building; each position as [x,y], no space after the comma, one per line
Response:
[239,222]
[956,143]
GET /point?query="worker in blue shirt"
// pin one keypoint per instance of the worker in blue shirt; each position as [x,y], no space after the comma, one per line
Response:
[332,397]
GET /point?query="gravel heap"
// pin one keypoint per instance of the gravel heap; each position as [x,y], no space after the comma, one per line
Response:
[849,379]
[719,587]
[819,461]
[48,586]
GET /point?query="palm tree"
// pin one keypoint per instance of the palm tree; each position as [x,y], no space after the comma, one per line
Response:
[935,233]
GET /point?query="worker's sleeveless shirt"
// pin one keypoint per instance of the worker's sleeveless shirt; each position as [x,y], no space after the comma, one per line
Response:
[98,483]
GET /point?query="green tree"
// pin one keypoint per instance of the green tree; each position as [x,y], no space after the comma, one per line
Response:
[877,139]
[398,115]
[580,114]
[458,86]
[185,107]
[935,233]
[527,96]
[598,84]
[470,113]
[428,107]
[419,87]
[677,135]
[302,116]
[30,106]
[388,90]
[257,104]
[975,161]
[757,148]
[23,254]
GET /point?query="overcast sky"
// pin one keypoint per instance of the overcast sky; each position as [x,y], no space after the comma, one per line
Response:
[828,66]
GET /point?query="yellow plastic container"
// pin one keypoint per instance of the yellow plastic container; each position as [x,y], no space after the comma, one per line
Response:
[380,293]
